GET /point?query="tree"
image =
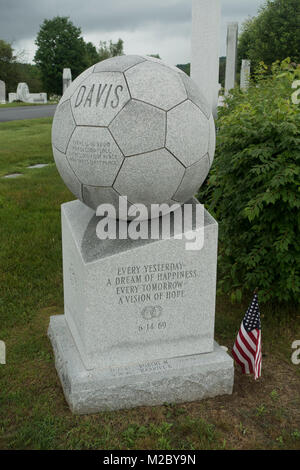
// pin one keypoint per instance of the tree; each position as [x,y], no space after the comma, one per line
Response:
[186,68]
[59,45]
[92,56]
[272,35]
[13,71]
[222,70]
[27,73]
[253,188]
[6,60]
[107,50]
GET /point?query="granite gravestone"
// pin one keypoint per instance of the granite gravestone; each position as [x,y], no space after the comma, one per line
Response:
[23,94]
[12,97]
[2,92]
[231,56]
[138,327]
[245,75]
[67,79]
[206,49]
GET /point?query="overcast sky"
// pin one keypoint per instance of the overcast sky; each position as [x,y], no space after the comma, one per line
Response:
[146,26]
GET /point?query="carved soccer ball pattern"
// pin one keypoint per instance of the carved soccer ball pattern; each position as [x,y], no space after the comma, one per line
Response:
[133,126]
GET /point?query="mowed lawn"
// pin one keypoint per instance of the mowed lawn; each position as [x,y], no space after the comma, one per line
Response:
[17,104]
[33,413]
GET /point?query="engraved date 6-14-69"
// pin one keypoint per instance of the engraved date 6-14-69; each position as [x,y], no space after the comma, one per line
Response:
[153,326]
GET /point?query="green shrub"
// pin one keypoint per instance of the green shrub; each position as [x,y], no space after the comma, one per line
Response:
[253,189]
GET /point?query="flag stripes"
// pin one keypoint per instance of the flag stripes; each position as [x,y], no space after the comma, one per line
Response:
[247,347]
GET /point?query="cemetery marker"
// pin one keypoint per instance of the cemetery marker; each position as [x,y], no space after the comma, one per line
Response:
[138,327]
[231,56]
[206,24]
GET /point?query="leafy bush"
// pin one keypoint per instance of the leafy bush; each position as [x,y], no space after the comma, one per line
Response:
[253,189]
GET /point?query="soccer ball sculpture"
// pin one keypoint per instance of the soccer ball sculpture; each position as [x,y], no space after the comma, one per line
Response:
[133,126]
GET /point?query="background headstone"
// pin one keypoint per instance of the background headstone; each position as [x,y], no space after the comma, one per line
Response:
[221,101]
[23,95]
[23,92]
[245,74]
[231,56]
[2,92]
[12,97]
[67,79]
[206,26]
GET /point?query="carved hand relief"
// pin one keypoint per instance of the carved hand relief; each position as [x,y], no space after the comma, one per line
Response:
[99,99]
[151,312]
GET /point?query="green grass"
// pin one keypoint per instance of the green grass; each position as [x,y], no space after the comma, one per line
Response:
[17,104]
[33,412]
[23,143]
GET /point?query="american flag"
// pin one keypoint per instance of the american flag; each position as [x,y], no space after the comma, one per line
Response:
[247,347]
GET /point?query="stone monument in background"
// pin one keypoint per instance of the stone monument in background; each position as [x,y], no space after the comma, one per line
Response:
[245,74]
[23,94]
[2,92]
[206,25]
[138,327]
[67,79]
[231,56]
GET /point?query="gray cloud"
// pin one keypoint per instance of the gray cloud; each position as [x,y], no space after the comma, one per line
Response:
[20,19]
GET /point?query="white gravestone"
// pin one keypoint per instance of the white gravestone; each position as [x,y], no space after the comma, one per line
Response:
[231,56]
[221,101]
[67,79]
[2,92]
[206,26]
[138,327]
[23,94]
[245,74]
[12,97]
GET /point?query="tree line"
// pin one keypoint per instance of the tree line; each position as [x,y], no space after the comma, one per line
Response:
[59,45]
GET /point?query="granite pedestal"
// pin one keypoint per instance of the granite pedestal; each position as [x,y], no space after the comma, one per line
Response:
[138,327]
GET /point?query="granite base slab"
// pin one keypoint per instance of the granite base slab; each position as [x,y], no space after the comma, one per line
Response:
[172,380]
